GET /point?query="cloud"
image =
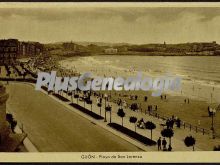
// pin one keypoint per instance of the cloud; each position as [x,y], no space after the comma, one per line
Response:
[127,14]
[111,24]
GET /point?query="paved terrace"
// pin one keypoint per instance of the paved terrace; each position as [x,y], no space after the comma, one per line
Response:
[51,126]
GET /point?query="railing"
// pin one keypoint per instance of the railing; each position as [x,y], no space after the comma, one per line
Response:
[184,124]
[154,114]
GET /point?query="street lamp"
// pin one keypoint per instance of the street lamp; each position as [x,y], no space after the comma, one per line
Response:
[76,95]
[109,109]
[212,112]
[99,103]
[72,97]
[84,100]
[105,96]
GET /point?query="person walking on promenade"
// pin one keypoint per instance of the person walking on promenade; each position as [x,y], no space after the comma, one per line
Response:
[169,148]
[188,101]
[161,97]
[164,143]
[97,99]
[171,123]
[165,97]
[159,144]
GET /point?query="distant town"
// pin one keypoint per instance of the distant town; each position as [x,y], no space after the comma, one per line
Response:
[11,49]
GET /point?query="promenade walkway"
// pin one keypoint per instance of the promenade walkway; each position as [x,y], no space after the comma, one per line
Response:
[203,142]
[53,127]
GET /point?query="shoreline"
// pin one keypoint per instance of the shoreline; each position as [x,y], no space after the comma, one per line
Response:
[163,54]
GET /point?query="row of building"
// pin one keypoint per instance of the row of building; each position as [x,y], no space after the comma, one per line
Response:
[11,49]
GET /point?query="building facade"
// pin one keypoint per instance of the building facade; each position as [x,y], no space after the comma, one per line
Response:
[30,49]
[11,49]
[111,51]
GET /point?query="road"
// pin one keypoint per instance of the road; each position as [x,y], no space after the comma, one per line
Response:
[54,128]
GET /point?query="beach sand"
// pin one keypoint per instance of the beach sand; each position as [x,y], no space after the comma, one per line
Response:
[195,112]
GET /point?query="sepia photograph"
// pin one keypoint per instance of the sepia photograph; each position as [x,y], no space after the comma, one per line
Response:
[109,78]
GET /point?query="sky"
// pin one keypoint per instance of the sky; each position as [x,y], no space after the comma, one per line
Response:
[129,24]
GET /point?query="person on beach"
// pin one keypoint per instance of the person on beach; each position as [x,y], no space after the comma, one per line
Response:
[199,122]
[164,143]
[119,102]
[159,144]
[136,97]
[148,109]
[145,98]
[161,97]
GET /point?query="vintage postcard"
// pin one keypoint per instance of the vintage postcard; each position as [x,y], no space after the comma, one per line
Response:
[110,82]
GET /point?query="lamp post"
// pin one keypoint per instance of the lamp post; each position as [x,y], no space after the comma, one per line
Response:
[77,97]
[72,97]
[105,96]
[111,115]
[84,100]
[213,111]
[100,110]
[109,109]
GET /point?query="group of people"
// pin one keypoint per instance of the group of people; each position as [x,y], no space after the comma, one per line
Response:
[151,108]
[133,97]
[211,111]
[141,123]
[186,101]
[170,122]
[163,143]
[163,97]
